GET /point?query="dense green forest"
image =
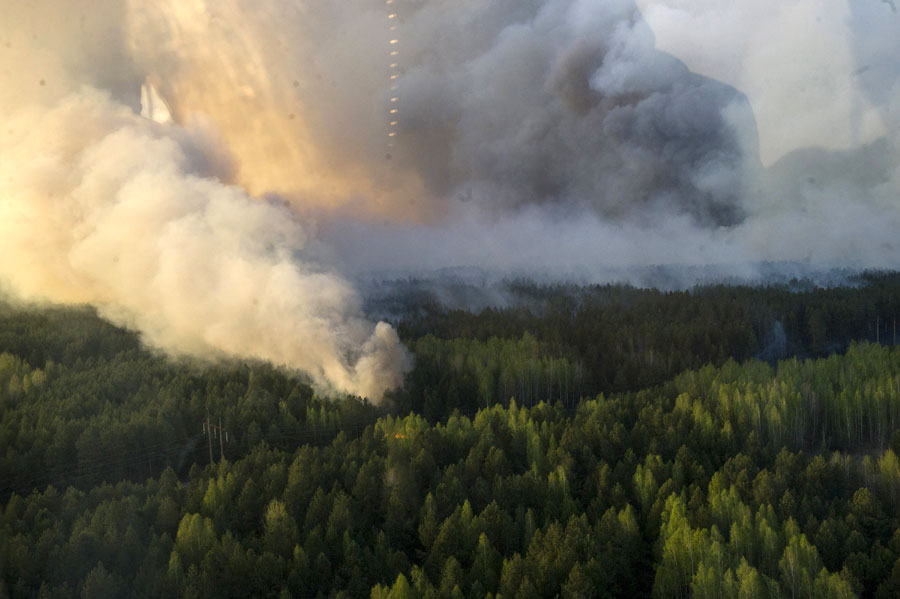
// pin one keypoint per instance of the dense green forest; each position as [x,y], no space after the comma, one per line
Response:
[596,441]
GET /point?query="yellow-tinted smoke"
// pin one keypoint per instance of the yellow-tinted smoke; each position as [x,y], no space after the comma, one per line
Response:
[152,222]
[285,103]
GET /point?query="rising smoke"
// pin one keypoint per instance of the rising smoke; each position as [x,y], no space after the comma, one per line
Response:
[100,205]
[292,141]
[578,141]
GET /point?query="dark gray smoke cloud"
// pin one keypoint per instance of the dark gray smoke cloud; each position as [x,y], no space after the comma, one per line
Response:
[510,104]
[571,139]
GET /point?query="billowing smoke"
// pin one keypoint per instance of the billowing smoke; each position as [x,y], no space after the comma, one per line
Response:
[576,124]
[175,162]
[504,103]
[101,205]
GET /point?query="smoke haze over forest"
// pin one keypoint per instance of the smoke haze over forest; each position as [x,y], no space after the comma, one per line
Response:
[211,173]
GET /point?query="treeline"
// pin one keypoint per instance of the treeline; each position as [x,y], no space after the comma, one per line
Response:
[61,335]
[619,338]
[468,374]
[849,402]
[82,403]
[677,491]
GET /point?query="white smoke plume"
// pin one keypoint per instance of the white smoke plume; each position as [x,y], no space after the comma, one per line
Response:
[99,205]
[515,134]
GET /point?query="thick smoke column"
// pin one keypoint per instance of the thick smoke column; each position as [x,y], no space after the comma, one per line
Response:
[100,205]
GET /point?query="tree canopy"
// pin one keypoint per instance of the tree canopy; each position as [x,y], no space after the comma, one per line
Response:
[510,465]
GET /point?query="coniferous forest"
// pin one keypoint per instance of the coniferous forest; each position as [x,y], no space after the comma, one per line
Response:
[597,441]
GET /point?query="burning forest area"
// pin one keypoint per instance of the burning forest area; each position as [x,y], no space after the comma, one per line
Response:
[449,298]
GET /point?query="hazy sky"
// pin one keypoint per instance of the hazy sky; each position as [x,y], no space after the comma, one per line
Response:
[807,66]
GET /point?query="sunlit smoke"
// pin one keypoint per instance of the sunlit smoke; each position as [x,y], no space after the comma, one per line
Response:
[133,214]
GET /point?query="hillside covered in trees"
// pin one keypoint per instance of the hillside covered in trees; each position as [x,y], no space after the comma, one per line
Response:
[588,442]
